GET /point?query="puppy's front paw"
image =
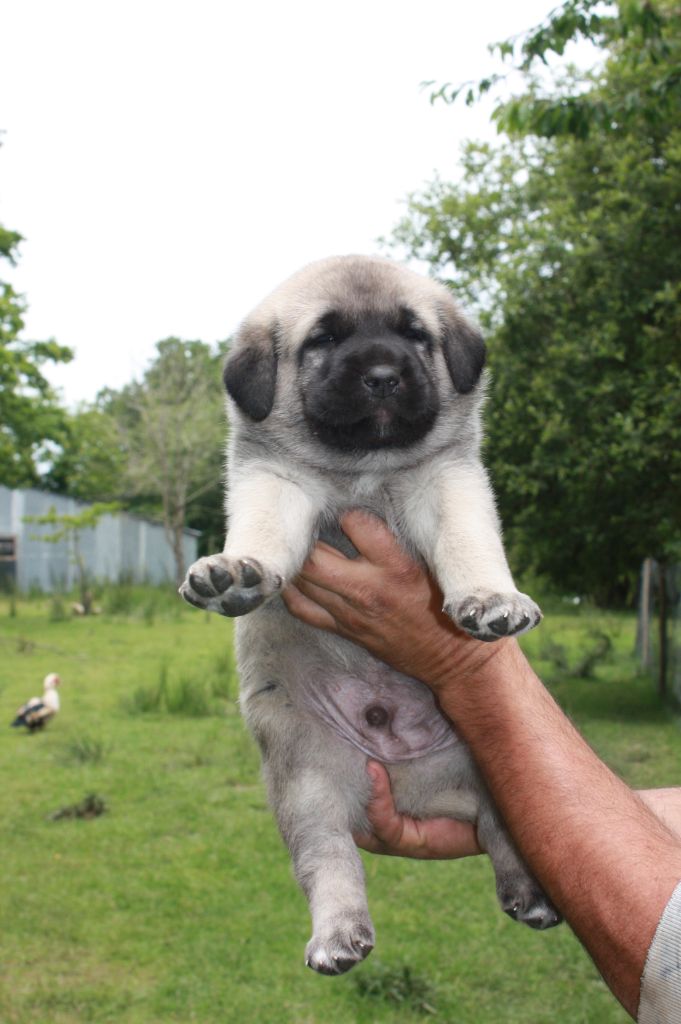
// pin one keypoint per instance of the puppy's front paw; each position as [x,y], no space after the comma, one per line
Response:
[229,586]
[342,944]
[489,616]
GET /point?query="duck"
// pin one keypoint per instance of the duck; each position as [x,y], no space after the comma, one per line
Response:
[37,712]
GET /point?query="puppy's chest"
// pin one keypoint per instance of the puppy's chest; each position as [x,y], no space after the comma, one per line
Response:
[380,497]
[368,489]
[388,499]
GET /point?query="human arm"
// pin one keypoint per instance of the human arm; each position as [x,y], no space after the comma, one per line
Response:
[666,805]
[604,858]
[399,835]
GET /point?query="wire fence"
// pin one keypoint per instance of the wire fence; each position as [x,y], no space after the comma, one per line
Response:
[658,637]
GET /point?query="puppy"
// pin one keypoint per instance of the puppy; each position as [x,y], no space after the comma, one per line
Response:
[358,383]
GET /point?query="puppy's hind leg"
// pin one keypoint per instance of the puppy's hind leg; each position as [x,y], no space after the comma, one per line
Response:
[316,825]
[519,894]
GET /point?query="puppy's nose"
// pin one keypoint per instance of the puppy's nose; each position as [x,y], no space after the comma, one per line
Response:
[382,380]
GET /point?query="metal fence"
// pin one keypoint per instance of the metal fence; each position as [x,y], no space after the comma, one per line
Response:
[119,547]
[658,639]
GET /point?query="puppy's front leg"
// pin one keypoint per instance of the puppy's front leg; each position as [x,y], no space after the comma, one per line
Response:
[271,526]
[453,521]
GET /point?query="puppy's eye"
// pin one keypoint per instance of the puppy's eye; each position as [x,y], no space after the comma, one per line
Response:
[415,333]
[323,339]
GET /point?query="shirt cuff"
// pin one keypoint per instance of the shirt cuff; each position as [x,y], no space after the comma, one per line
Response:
[661,983]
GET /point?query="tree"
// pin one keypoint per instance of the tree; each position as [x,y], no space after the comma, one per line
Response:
[30,416]
[91,463]
[116,448]
[567,241]
[172,427]
[69,527]
[638,33]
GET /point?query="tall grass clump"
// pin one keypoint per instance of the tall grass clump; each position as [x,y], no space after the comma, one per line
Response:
[149,612]
[58,610]
[118,600]
[139,600]
[146,700]
[189,696]
[86,750]
[224,684]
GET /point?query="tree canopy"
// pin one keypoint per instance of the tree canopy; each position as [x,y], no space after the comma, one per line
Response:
[30,414]
[171,427]
[156,445]
[566,242]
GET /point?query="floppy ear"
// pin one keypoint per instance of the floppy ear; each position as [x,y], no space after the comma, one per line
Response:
[464,350]
[250,373]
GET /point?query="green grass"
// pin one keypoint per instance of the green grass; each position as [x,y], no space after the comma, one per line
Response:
[178,904]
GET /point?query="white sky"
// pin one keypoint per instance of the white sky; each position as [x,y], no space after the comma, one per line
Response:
[169,162]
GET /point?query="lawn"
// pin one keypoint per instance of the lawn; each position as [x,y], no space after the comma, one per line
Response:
[178,903]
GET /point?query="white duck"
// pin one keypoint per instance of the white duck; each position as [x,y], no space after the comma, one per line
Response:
[37,711]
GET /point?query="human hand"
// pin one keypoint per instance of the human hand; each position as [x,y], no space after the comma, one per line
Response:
[384,601]
[397,835]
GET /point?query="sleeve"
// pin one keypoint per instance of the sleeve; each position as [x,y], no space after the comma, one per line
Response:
[661,983]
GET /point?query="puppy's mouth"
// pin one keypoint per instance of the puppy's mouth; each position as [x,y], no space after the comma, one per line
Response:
[383,417]
[385,426]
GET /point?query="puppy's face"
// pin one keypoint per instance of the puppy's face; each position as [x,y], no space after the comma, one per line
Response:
[361,351]
[367,381]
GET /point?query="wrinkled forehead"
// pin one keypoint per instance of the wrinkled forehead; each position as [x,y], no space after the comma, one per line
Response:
[350,301]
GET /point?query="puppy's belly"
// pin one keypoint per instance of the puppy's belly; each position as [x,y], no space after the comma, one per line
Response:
[389,717]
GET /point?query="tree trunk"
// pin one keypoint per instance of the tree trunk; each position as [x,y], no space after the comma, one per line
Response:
[663,615]
[85,593]
[177,543]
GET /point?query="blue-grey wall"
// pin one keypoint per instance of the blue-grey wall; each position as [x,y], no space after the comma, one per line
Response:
[119,546]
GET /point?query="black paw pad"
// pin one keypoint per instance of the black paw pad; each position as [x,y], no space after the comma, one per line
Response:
[202,588]
[238,604]
[540,924]
[250,576]
[222,580]
[470,620]
[500,625]
[343,964]
[321,968]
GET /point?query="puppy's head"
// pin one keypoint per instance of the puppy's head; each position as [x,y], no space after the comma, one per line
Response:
[366,348]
